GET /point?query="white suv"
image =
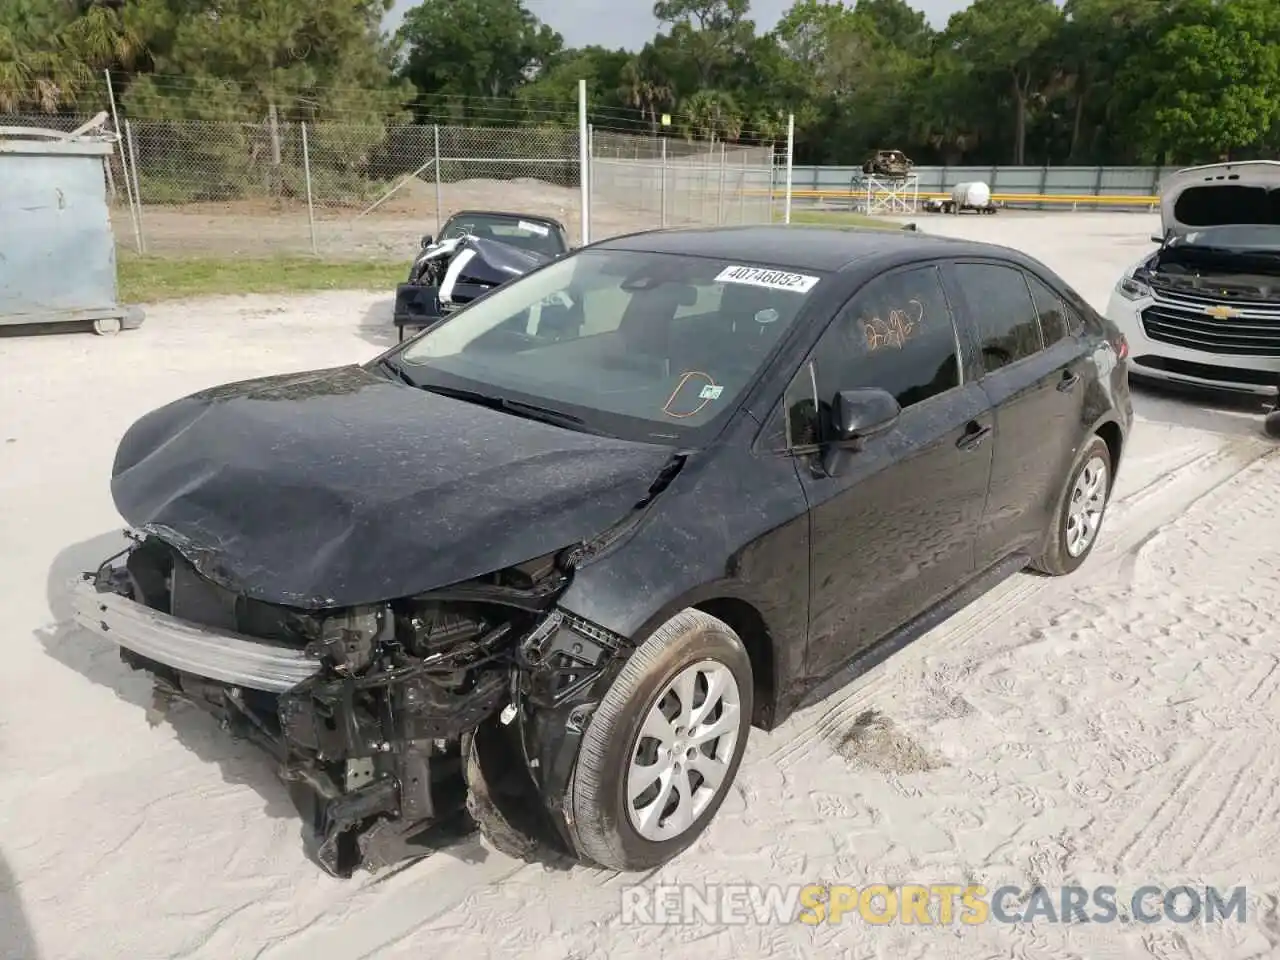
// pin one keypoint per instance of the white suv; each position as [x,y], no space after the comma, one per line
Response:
[1204,309]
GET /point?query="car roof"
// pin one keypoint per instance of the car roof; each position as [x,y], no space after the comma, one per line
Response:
[801,247]
[536,217]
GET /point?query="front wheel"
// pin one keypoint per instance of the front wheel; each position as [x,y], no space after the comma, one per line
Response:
[1081,507]
[663,747]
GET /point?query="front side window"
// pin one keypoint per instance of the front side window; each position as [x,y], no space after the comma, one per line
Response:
[896,333]
[1001,307]
[642,345]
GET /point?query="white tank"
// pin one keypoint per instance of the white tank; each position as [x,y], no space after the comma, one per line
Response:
[975,194]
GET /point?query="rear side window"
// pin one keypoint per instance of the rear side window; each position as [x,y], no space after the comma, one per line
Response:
[1052,312]
[1001,307]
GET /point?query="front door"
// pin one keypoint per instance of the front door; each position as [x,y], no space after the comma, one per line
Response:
[893,527]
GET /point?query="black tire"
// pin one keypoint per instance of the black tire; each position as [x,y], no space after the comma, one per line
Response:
[1272,423]
[1057,561]
[596,802]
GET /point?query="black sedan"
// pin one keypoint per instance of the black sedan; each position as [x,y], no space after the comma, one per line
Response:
[546,584]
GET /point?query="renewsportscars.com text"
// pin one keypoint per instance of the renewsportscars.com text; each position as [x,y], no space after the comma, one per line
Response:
[927,904]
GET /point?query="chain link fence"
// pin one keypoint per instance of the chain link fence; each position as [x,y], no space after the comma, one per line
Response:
[666,182]
[370,190]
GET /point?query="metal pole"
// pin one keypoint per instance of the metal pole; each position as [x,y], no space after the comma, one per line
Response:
[584,162]
[791,155]
[306,172]
[663,190]
[137,189]
[439,188]
[720,189]
[773,175]
[124,164]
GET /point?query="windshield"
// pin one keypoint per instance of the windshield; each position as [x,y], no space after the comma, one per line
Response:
[646,346]
[517,231]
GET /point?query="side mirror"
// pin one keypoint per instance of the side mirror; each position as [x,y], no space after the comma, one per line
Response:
[427,240]
[857,414]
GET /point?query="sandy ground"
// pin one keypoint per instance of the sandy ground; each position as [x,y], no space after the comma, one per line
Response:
[1116,727]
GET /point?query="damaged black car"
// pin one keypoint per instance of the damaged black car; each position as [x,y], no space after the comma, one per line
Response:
[544,585]
[477,250]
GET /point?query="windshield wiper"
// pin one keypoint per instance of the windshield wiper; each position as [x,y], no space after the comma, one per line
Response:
[519,408]
[386,366]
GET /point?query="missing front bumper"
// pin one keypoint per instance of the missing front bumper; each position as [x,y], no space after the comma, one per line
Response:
[383,762]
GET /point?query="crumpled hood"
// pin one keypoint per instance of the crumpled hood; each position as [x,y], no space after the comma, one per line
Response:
[1219,194]
[338,487]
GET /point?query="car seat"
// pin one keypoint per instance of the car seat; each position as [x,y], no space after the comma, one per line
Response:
[645,328]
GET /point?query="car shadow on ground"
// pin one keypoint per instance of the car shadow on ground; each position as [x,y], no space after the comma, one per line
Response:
[98,660]
[16,938]
[1221,412]
[376,326]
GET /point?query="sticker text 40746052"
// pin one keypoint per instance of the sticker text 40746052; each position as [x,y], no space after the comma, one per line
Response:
[765,277]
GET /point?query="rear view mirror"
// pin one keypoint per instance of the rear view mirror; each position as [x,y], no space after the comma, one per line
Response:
[426,240]
[857,414]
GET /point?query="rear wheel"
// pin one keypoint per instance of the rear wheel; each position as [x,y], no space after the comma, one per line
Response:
[1081,507]
[663,747]
[1272,423]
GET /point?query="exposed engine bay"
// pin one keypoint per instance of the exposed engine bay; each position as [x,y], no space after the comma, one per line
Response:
[423,718]
[1229,274]
[464,268]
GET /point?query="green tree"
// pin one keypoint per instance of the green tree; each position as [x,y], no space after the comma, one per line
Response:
[710,35]
[1006,39]
[475,48]
[1207,86]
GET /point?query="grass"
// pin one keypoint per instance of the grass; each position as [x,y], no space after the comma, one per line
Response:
[840,218]
[153,279]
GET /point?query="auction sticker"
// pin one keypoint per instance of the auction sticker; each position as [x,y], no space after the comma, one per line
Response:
[537,228]
[764,277]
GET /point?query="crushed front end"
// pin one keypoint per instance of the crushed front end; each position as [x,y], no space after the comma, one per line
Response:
[394,724]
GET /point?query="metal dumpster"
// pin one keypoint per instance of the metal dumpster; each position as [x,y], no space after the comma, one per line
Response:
[57,252]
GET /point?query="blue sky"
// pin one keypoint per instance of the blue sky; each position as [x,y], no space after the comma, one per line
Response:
[630,24]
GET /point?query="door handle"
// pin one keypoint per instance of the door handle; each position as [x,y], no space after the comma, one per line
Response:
[973,436]
[1068,381]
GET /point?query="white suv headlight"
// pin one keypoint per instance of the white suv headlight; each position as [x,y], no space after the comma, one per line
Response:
[1132,289]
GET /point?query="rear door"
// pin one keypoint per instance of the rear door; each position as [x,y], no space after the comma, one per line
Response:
[1029,363]
[894,529]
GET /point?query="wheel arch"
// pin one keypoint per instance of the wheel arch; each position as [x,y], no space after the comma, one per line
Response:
[744,617]
[1113,436]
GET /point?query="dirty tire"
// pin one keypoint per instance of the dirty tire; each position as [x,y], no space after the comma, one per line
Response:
[1057,561]
[596,804]
[1272,424]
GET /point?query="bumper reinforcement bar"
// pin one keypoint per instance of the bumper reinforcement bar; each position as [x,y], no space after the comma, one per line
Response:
[190,648]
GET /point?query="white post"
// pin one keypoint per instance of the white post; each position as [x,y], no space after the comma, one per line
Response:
[791,154]
[137,188]
[584,162]
[662,195]
[124,163]
[306,173]
[720,190]
[439,188]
